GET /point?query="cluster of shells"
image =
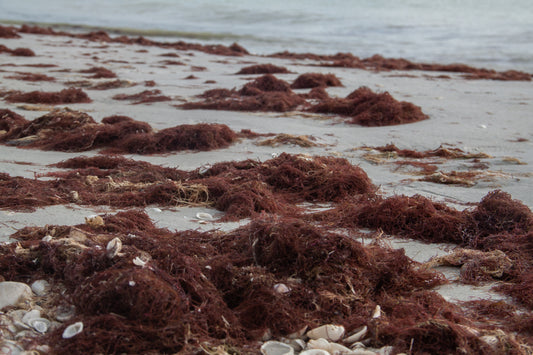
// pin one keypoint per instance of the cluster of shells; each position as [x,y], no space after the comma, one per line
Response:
[328,339]
[23,318]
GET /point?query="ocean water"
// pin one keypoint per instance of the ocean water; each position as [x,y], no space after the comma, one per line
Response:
[496,34]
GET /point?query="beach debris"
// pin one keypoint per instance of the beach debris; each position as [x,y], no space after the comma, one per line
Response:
[276,348]
[313,80]
[281,288]
[113,248]
[94,221]
[263,69]
[65,96]
[476,265]
[14,293]
[330,347]
[289,139]
[315,352]
[40,287]
[41,325]
[138,261]
[377,312]
[330,332]
[204,216]
[72,330]
[357,335]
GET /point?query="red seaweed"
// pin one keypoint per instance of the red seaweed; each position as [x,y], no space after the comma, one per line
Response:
[263,69]
[66,96]
[146,96]
[99,72]
[313,80]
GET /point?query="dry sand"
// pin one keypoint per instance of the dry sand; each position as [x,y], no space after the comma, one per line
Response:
[477,116]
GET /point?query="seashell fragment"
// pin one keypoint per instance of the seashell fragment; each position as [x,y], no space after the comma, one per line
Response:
[72,330]
[330,332]
[10,347]
[323,344]
[94,221]
[113,247]
[47,238]
[40,324]
[204,216]
[357,335]
[377,312]
[315,352]
[281,288]
[276,348]
[298,333]
[64,313]
[12,293]
[28,316]
[40,287]
[139,262]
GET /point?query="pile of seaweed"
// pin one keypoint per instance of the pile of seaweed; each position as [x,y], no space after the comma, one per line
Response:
[380,63]
[263,69]
[30,77]
[497,223]
[241,189]
[65,96]
[17,52]
[74,131]
[140,289]
[268,93]
[143,97]
[102,36]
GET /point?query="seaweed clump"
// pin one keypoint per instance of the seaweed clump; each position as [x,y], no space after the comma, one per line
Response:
[67,130]
[313,80]
[99,72]
[367,108]
[8,32]
[143,97]
[266,93]
[66,96]
[263,69]
[180,291]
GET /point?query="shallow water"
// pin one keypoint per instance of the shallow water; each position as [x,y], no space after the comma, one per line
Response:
[491,33]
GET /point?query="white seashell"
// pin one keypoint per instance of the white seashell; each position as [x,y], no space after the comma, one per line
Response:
[204,216]
[72,330]
[131,283]
[64,313]
[10,347]
[490,340]
[315,352]
[328,331]
[323,344]
[281,288]
[155,209]
[139,262]
[113,247]
[276,348]
[14,293]
[386,350]
[40,324]
[47,238]
[377,312]
[362,352]
[28,316]
[40,287]
[357,335]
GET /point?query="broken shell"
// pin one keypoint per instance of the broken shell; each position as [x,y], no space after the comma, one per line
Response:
[10,347]
[377,312]
[94,221]
[72,330]
[276,348]
[357,335]
[13,293]
[64,313]
[138,261]
[40,287]
[328,331]
[281,288]
[47,238]
[28,316]
[204,216]
[297,344]
[323,344]
[113,247]
[315,352]
[40,324]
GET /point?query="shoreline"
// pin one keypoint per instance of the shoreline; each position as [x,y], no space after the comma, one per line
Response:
[474,140]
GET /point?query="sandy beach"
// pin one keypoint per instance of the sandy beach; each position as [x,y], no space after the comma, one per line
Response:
[477,138]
